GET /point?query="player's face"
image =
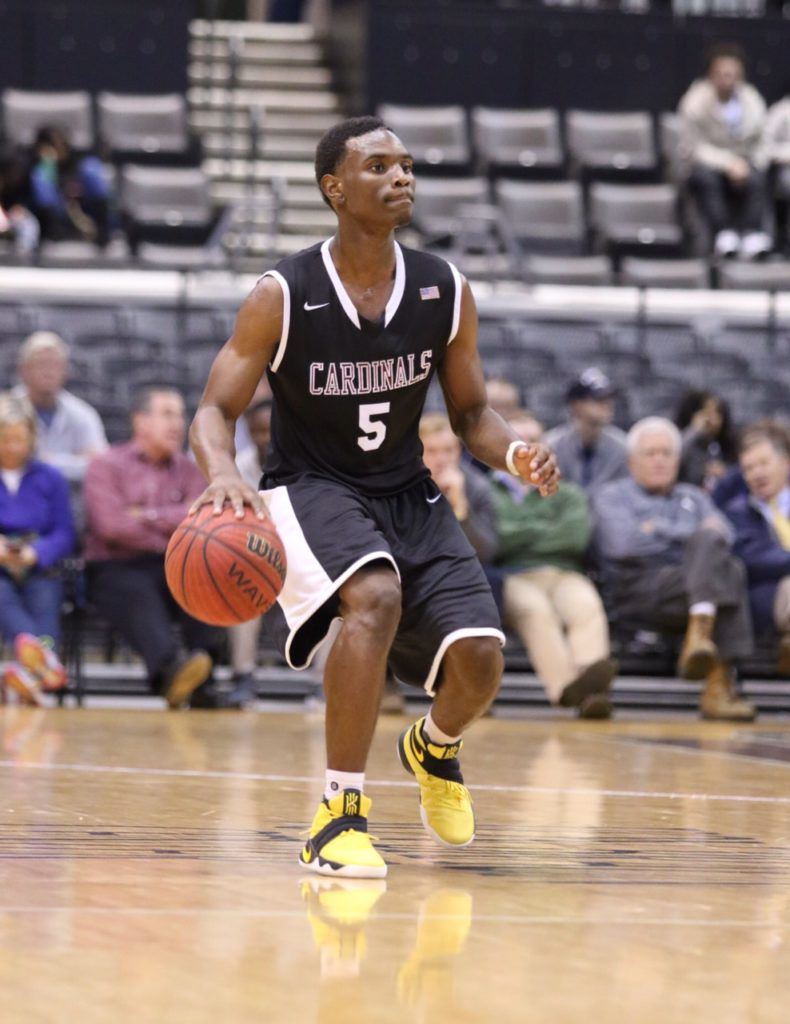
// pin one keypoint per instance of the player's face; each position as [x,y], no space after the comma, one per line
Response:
[655,461]
[376,179]
[765,470]
[161,429]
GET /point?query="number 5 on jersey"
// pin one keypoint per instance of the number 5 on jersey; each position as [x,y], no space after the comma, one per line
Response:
[373,430]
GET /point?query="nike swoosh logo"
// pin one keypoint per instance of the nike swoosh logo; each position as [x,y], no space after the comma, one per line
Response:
[432,501]
[320,305]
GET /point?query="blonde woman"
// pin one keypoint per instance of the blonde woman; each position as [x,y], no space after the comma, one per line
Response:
[36,532]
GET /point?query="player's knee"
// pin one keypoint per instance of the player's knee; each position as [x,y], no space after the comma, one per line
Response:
[478,661]
[374,601]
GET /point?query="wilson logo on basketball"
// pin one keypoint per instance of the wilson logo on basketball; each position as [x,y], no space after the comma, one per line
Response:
[256,545]
[247,587]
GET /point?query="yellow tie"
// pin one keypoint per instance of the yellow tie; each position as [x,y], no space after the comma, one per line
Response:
[781,524]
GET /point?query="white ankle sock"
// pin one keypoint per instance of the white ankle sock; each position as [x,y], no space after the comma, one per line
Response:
[336,782]
[703,608]
[435,734]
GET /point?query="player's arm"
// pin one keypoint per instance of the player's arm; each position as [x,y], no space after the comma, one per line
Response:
[235,374]
[487,436]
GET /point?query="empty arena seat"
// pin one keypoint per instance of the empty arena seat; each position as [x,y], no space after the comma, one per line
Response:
[143,124]
[166,204]
[664,273]
[508,139]
[581,270]
[669,144]
[25,112]
[757,276]
[612,142]
[439,202]
[635,215]
[435,136]
[543,215]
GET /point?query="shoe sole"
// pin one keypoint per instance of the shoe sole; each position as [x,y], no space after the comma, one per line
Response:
[423,816]
[596,707]
[697,666]
[708,717]
[596,679]
[32,697]
[30,657]
[187,680]
[344,871]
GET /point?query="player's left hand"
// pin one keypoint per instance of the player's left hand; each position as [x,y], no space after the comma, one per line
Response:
[537,466]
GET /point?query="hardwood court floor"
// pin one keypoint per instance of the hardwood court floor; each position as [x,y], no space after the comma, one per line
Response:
[634,872]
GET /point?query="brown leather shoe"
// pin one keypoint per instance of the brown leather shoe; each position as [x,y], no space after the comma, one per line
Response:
[783,661]
[719,700]
[186,677]
[698,653]
[596,679]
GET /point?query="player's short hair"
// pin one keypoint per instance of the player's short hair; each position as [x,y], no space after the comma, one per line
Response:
[434,423]
[141,399]
[766,430]
[653,425]
[42,341]
[331,146]
[722,51]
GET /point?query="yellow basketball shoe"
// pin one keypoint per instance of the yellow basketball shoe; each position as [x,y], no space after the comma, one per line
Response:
[339,843]
[445,803]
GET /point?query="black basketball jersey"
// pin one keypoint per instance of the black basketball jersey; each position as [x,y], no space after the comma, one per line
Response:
[349,393]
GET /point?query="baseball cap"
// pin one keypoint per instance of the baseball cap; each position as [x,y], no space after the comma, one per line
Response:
[591,383]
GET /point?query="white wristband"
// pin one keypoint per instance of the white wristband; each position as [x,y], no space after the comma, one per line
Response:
[511,465]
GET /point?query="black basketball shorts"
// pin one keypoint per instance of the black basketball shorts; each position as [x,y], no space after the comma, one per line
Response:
[329,531]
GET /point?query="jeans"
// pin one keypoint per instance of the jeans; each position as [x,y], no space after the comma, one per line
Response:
[30,606]
[727,206]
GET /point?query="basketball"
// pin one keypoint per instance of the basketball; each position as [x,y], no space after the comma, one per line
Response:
[223,570]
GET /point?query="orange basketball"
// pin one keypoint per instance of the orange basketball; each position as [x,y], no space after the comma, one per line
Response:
[223,570]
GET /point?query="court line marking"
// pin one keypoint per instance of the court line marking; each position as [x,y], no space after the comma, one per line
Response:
[190,773]
[517,919]
[657,744]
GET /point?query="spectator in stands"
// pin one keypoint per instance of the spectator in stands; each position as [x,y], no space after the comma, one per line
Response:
[732,484]
[244,637]
[761,520]
[709,444]
[503,396]
[69,430]
[667,558]
[466,489]
[722,119]
[589,450]
[547,597]
[36,533]
[69,195]
[775,154]
[135,495]
[17,223]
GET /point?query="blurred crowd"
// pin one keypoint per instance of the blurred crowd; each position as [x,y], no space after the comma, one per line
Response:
[680,527]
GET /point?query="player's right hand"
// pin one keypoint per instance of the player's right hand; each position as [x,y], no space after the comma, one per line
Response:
[229,488]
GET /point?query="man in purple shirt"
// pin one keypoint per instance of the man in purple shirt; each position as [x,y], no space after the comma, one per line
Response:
[136,494]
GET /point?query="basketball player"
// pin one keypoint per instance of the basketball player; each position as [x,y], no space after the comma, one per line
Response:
[350,333]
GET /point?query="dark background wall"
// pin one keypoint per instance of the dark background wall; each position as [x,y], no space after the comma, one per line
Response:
[121,45]
[477,53]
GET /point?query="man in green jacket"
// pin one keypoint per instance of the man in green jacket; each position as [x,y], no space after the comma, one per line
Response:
[547,598]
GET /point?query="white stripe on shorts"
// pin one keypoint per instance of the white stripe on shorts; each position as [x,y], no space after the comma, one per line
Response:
[458,634]
[307,586]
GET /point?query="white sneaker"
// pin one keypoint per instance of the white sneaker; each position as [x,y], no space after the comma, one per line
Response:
[727,243]
[754,244]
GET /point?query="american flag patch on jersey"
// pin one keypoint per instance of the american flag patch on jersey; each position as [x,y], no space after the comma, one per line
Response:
[429,293]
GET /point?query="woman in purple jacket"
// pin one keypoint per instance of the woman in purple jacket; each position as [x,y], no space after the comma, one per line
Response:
[36,532]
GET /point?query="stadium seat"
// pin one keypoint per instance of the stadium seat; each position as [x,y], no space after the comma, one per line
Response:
[757,276]
[611,144]
[166,204]
[25,112]
[436,137]
[580,270]
[643,273]
[634,217]
[510,141]
[542,216]
[669,145]
[143,126]
[438,202]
